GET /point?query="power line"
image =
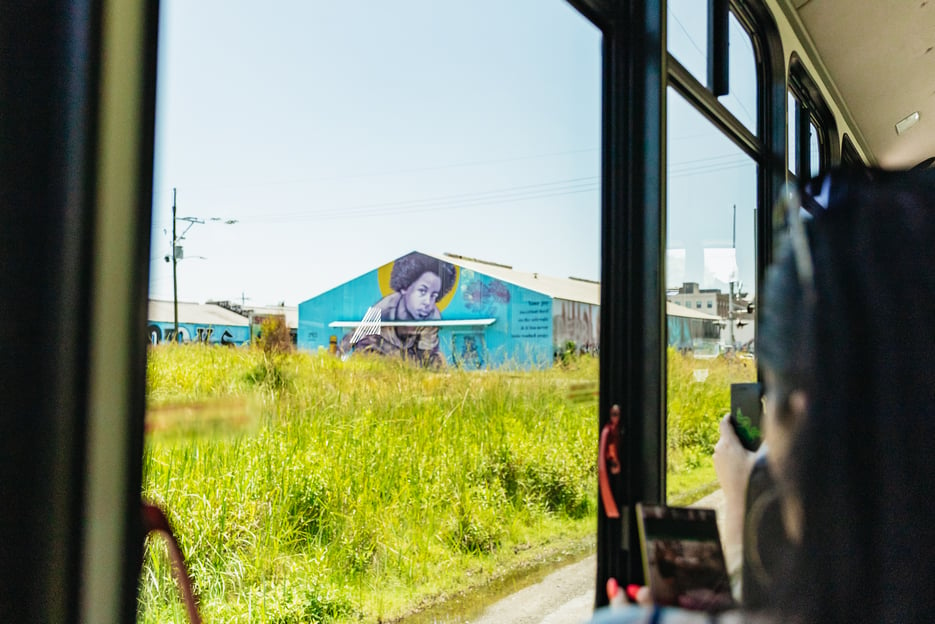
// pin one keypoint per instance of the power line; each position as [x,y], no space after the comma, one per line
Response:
[708,170]
[687,34]
[376,174]
[461,200]
[715,157]
[340,214]
[704,57]
[510,194]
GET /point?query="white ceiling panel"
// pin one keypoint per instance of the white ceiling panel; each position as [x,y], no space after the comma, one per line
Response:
[881,55]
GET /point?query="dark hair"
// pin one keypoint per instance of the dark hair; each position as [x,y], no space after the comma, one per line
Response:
[863,461]
[783,345]
[410,267]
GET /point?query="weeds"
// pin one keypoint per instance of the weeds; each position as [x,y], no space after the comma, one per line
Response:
[361,488]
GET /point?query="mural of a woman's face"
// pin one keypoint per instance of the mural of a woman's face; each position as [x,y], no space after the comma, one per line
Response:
[420,297]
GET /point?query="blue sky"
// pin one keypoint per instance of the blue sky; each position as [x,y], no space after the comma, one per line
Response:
[343,135]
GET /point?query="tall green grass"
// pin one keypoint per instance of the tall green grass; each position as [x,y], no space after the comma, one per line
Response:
[356,489]
[307,489]
[698,396]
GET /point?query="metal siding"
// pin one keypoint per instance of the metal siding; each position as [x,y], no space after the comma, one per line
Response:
[577,322]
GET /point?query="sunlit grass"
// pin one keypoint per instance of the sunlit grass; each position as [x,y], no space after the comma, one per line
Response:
[698,396]
[308,489]
[359,488]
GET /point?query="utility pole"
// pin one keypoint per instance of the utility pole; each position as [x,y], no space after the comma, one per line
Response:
[177,255]
[730,293]
[175,282]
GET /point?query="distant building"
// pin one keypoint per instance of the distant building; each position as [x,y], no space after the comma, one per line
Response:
[691,329]
[708,300]
[198,322]
[484,315]
[255,315]
[712,301]
[214,322]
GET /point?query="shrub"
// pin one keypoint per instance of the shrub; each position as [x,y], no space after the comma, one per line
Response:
[274,336]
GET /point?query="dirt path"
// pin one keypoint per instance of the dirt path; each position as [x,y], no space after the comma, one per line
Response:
[565,596]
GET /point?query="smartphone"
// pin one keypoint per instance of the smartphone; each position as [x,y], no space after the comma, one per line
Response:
[746,413]
[683,563]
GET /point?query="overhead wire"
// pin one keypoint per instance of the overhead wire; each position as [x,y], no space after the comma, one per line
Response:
[504,195]
[377,174]
[443,202]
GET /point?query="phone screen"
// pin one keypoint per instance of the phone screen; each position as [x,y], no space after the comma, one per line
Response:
[746,413]
[683,561]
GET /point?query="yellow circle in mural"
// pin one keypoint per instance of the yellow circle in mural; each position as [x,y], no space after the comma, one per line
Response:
[383,278]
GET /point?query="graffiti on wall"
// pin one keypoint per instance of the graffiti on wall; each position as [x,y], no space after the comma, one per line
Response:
[414,289]
[158,333]
[468,350]
[576,322]
[485,297]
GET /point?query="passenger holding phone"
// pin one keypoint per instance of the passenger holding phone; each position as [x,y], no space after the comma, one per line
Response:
[733,464]
[847,346]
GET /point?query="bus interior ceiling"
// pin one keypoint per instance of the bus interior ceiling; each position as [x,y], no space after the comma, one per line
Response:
[880,57]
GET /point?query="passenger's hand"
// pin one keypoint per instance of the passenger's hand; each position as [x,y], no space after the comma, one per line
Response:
[643,596]
[617,596]
[732,463]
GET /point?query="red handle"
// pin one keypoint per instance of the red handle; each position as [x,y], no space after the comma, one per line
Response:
[607,462]
[155,520]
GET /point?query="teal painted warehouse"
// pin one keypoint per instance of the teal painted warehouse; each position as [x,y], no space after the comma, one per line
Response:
[451,310]
[455,311]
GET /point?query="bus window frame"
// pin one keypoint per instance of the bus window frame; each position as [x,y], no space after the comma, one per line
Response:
[811,108]
[637,70]
[850,157]
[77,116]
[71,182]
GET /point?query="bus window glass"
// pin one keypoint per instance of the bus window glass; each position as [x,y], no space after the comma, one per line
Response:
[742,98]
[814,151]
[395,208]
[811,151]
[792,148]
[687,35]
[710,282]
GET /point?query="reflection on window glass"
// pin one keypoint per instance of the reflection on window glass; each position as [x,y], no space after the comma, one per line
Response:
[814,151]
[687,36]
[396,383]
[792,118]
[710,281]
[742,98]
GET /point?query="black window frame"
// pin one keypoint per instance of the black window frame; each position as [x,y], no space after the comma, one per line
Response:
[850,157]
[637,72]
[811,108]
[53,169]
[77,117]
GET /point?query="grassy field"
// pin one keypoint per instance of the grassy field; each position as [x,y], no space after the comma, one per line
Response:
[698,395]
[307,489]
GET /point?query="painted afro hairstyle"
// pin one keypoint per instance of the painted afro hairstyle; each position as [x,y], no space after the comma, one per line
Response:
[410,267]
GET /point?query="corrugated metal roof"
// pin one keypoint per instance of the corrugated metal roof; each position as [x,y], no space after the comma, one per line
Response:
[567,288]
[674,309]
[197,313]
